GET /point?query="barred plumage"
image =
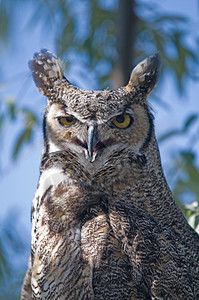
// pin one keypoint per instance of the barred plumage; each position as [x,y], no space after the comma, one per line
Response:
[104,222]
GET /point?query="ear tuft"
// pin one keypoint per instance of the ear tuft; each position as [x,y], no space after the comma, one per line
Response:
[46,68]
[144,76]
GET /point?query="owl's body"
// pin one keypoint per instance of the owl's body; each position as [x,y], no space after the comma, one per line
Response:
[104,222]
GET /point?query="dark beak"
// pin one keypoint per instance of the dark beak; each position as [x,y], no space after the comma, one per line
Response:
[92,140]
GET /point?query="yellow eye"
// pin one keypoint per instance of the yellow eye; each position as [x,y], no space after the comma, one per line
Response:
[122,121]
[66,121]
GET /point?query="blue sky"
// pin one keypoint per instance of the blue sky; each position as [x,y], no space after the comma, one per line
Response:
[18,183]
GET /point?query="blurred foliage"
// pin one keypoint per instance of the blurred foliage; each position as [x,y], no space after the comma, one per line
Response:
[86,35]
[89,30]
[12,270]
[12,113]
[181,131]
[187,186]
[185,171]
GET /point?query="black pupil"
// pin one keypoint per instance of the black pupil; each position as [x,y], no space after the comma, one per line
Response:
[120,118]
[69,119]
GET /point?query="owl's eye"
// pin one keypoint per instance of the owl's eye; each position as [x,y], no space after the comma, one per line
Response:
[66,121]
[122,121]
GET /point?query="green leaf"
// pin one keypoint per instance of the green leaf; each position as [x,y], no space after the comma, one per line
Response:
[171,19]
[169,134]
[23,138]
[2,119]
[187,157]
[12,110]
[5,21]
[190,120]
[30,116]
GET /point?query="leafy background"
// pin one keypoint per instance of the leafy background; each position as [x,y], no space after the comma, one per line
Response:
[100,41]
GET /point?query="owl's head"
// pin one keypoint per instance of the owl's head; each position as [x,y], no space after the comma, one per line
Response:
[95,124]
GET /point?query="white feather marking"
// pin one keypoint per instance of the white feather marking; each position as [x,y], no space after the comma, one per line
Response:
[50,177]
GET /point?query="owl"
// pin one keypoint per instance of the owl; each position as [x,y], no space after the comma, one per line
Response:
[104,222]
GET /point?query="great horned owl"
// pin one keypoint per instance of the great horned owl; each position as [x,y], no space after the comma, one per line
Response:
[104,222]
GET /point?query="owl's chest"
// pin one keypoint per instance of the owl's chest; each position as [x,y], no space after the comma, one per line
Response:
[111,271]
[72,232]
[95,232]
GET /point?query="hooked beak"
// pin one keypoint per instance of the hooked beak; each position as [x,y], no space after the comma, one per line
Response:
[92,140]
[94,147]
